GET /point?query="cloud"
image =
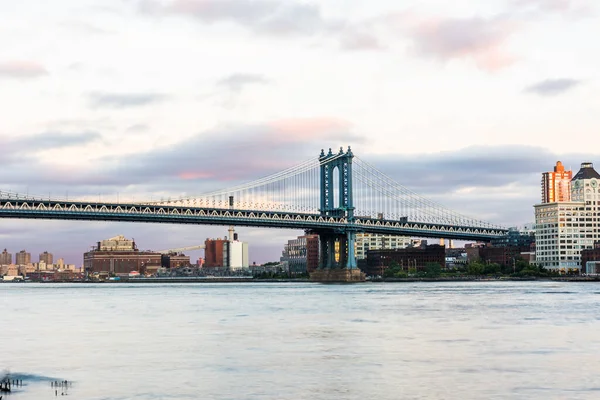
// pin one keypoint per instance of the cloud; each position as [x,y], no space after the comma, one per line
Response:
[577,8]
[553,87]
[359,39]
[479,39]
[236,82]
[211,160]
[261,16]
[22,70]
[84,27]
[49,140]
[138,128]
[124,100]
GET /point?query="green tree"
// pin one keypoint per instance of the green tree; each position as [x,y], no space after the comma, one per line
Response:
[392,270]
[475,268]
[432,270]
[492,269]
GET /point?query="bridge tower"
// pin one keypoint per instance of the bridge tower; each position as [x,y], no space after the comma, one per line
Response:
[337,246]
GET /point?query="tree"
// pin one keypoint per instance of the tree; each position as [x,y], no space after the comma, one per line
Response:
[475,268]
[392,271]
[432,270]
[492,269]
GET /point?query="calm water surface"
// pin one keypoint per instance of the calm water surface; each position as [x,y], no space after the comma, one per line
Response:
[483,340]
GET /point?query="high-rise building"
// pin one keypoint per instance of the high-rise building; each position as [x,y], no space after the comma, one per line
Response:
[564,229]
[46,257]
[556,186]
[22,258]
[5,258]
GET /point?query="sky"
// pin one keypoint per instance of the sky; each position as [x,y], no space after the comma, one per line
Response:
[464,102]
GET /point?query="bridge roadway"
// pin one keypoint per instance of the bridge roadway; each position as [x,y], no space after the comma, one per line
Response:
[174,214]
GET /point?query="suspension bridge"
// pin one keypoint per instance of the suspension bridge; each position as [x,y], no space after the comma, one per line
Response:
[335,195]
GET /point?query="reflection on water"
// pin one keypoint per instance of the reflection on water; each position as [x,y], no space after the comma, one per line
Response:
[472,340]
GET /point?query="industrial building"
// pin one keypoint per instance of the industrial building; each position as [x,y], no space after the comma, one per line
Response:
[229,253]
[175,260]
[570,224]
[119,256]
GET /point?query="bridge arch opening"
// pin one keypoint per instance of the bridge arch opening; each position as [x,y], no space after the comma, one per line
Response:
[335,187]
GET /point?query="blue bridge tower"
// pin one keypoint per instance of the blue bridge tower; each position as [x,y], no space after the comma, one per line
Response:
[337,246]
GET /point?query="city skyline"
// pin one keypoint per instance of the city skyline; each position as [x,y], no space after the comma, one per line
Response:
[184,98]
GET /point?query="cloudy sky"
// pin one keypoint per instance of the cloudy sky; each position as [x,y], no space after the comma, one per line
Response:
[466,102]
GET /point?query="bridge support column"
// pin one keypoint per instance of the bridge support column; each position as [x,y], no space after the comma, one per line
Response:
[342,270]
[350,250]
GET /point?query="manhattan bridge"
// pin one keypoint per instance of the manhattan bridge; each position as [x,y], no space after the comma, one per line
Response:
[335,195]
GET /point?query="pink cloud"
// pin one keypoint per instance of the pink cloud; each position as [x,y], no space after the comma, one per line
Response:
[480,40]
[193,175]
[22,69]
[303,129]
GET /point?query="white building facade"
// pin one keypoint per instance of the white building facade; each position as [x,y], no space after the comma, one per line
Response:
[369,241]
[565,228]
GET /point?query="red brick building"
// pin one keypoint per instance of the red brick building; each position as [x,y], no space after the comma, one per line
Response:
[213,253]
[312,253]
[591,255]
[411,257]
[120,262]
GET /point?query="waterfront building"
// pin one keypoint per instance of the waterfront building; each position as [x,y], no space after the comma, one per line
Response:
[408,258]
[372,241]
[556,185]
[5,258]
[175,260]
[22,258]
[229,253]
[46,257]
[235,255]
[516,237]
[118,257]
[590,260]
[565,229]
[301,254]
[213,253]
[502,255]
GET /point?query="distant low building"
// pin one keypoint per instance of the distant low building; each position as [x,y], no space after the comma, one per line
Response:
[409,258]
[175,260]
[590,260]
[118,257]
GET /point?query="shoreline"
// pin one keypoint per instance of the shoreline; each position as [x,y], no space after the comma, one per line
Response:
[180,280]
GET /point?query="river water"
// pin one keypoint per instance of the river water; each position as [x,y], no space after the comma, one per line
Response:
[471,340]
